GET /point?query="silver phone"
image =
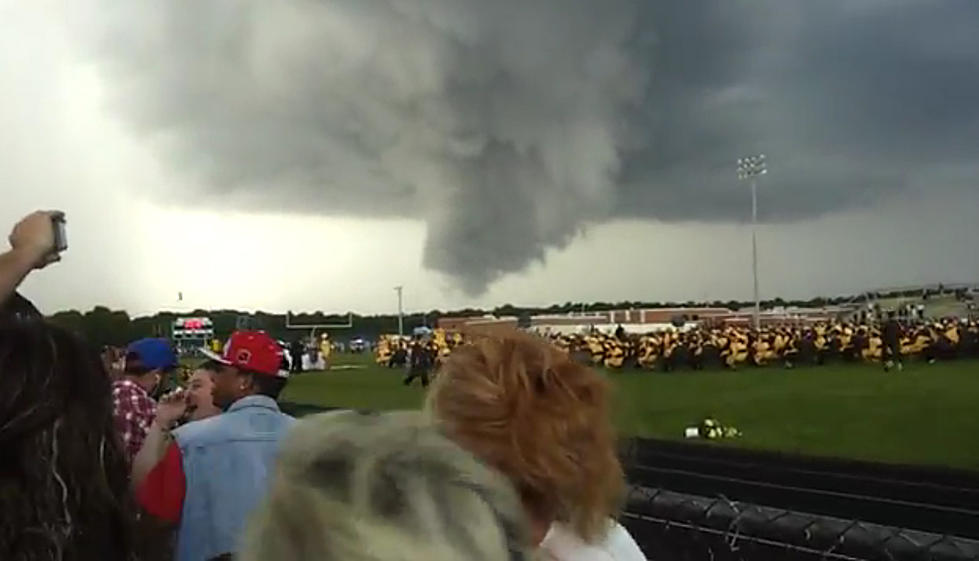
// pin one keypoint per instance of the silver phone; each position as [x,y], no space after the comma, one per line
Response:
[60,233]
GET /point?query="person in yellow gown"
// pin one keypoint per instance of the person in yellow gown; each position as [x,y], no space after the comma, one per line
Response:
[614,354]
[384,351]
[648,352]
[326,349]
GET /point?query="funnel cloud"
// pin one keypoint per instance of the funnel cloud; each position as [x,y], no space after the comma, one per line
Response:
[510,126]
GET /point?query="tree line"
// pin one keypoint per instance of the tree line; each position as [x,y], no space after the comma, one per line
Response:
[103,326]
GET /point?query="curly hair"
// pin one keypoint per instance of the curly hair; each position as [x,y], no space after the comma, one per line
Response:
[361,487]
[64,491]
[527,409]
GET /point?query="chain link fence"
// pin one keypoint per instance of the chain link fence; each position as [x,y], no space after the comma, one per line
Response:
[680,527]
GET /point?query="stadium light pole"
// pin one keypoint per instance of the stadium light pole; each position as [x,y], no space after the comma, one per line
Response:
[401,312]
[749,168]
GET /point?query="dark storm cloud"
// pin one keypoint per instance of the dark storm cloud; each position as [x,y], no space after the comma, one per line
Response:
[498,123]
[852,101]
[509,126]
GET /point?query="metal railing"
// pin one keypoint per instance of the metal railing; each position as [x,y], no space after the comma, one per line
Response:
[676,526]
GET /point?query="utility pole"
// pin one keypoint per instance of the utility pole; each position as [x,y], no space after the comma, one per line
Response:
[401,312]
[754,251]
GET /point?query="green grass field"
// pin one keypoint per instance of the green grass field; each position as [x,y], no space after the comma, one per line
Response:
[928,414]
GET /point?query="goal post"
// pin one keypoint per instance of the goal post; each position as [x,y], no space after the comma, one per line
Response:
[317,360]
[313,327]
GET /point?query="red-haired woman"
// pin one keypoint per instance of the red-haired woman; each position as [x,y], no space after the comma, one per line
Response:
[524,407]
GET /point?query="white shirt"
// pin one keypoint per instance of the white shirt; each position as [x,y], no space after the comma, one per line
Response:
[561,544]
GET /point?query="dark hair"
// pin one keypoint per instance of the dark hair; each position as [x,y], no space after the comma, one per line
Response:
[64,489]
[270,386]
[210,365]
[16,307]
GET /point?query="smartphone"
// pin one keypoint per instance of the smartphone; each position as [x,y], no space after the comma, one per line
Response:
[60,234]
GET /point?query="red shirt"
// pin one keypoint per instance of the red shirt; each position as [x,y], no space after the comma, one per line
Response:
[133,412]
[161,494]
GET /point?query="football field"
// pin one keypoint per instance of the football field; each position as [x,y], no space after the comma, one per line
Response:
[926,414]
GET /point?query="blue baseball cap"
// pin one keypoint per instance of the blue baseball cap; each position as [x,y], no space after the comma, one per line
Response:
[151,354]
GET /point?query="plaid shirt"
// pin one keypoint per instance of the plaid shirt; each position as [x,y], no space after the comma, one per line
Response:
[134,411]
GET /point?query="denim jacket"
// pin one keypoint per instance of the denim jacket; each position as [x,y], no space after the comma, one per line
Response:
[227,461]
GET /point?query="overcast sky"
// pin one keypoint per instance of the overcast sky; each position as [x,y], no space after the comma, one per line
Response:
[314,154]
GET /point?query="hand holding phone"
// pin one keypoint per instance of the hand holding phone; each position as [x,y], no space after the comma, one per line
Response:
[60,233]
[35,237]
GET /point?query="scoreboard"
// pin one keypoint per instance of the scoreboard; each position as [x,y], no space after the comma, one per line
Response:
[193,331]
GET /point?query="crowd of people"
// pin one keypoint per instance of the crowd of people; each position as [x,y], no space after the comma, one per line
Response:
[512,458]
[888,343]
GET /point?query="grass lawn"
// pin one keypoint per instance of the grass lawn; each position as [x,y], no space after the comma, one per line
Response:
[927,414]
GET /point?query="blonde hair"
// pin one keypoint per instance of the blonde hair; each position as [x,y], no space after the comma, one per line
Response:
[390,487]
[527,409]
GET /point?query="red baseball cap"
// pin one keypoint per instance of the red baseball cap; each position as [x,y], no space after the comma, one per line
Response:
[251,351]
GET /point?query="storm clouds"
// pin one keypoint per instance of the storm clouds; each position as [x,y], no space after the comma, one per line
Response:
[511,126]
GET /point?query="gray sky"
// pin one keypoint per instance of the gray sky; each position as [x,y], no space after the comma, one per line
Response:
[526,151]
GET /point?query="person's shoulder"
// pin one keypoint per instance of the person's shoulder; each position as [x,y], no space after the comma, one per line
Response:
[196,432]
[562,544]
[127,391]
[621,546]
[269,407]
[286,423]
[269,419]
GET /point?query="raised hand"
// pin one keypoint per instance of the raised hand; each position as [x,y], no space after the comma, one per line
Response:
[171,408]
[33,236]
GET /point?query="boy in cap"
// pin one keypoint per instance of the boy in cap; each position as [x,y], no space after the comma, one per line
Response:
[148,362]
[216,470]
